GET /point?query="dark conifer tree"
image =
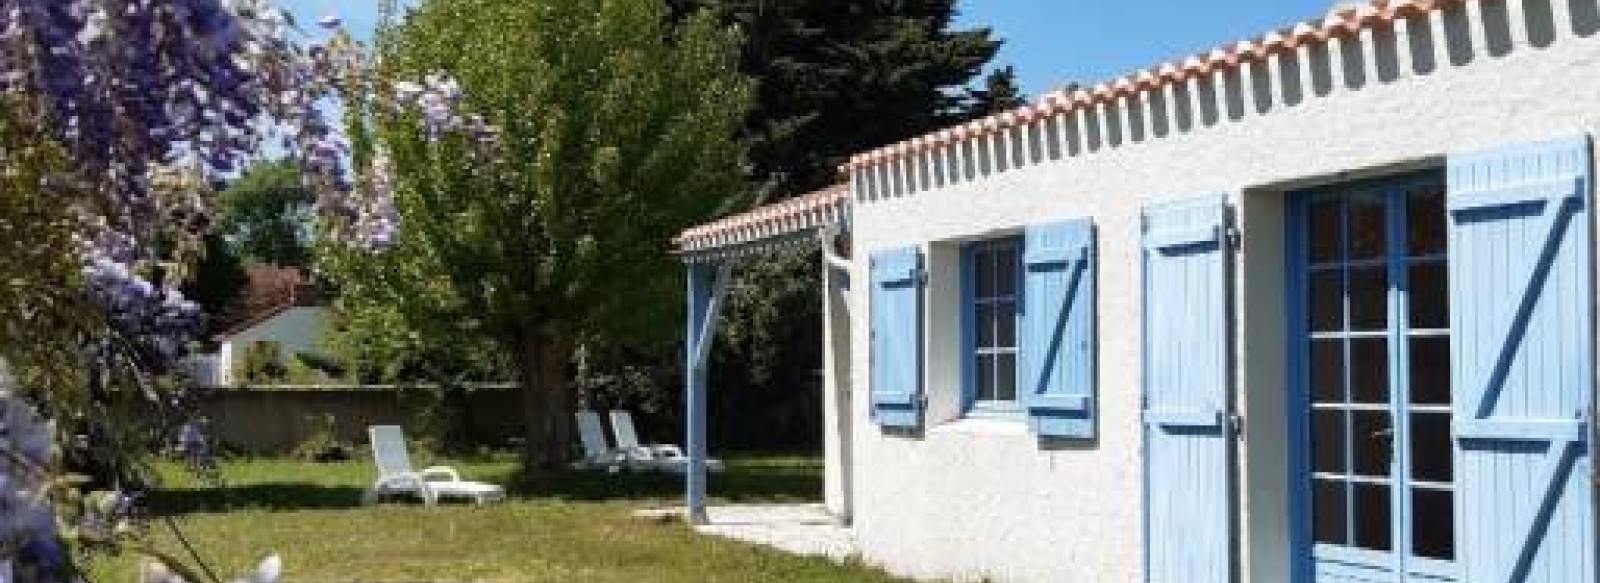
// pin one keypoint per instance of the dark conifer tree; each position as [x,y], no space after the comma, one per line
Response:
[838,77]
[834,78]
[999,93]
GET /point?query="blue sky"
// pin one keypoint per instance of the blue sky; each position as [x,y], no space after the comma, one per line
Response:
[1052,42]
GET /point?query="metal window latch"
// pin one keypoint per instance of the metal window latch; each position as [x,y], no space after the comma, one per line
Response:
[1236,424]
[1235,238]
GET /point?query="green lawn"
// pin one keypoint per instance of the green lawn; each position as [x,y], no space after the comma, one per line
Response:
[571,527]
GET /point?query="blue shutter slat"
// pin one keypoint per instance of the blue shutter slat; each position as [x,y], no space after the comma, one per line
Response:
[1057,344]
[1515,429]
[1184,418]
[1521,296]
[1181,237]
[1187,478]
[896,354]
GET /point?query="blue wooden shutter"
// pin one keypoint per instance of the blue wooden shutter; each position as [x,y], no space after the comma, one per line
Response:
[1521,293]
[1188,450]
[1058,329]
[897,337]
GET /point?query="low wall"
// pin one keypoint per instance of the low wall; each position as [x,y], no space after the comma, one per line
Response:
[275,419]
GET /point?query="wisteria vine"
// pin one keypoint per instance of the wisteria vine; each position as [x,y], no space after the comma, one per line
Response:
[157,102]
[25,514]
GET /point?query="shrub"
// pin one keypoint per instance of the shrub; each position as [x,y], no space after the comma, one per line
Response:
[323,444]
[262,362]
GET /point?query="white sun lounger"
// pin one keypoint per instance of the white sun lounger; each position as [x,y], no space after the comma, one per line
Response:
[395,475]
[653,456]
[597,454]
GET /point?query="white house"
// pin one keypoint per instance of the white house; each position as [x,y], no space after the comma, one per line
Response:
[292,327]
[1312,307]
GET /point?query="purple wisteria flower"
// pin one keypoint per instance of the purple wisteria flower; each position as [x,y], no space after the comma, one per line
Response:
[155,102]
[25,454]
[437,98]
[378,222]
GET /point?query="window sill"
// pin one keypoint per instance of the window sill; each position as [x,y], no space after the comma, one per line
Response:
[995,410]
[984,426]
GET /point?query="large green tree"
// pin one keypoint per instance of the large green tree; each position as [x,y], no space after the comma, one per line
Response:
[217,283]
[618,128]
[263,217]
[266,215]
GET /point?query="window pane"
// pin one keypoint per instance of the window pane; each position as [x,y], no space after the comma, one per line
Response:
[1367,229]
[1005,377]
[1327,300]
[1430,370]
[1369,298]
[1372,438]
[985,388]
[983,260]
[1328,508]
[1372,528]
[1425,222]
[1369,370]
[985,325]
[1433,524]
[1005,314]
[1005,272]
[1428,296]
[1430,447]
[1327,371]
[1326,231]
[1328,439]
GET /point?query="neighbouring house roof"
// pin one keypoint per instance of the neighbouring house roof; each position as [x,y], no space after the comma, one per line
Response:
[272,291]
[262,318]
[766,225]
[1346,20]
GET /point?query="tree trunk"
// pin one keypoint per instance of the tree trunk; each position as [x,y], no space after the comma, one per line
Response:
[531,371]
[547,401]
[562,391]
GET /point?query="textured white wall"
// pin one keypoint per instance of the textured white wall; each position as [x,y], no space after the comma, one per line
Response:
[970,499]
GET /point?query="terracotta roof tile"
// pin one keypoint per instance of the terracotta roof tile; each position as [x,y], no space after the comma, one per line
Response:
[1340,22]
[798,214]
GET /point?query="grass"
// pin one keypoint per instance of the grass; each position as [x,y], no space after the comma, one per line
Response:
[568,527]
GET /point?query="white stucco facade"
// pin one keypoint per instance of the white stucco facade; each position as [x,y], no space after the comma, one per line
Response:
[295,329]
[971,499]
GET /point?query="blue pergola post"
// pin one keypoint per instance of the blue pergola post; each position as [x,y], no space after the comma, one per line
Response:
[708,282]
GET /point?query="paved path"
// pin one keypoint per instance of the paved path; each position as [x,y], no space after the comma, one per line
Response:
[802,529]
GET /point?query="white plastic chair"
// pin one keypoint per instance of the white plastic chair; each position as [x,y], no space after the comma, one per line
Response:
[395,475]
[597,454]
[652,456]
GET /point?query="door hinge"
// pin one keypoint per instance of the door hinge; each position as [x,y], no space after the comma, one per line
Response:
[1236,424]
[1235,238]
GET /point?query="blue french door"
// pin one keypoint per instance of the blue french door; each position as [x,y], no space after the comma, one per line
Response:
[1372,339]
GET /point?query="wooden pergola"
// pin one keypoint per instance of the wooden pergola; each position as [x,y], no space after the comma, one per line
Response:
[710,252]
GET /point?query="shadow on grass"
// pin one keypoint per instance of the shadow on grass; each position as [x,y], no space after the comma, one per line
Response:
[749,480]
[276,497]
[742,482]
